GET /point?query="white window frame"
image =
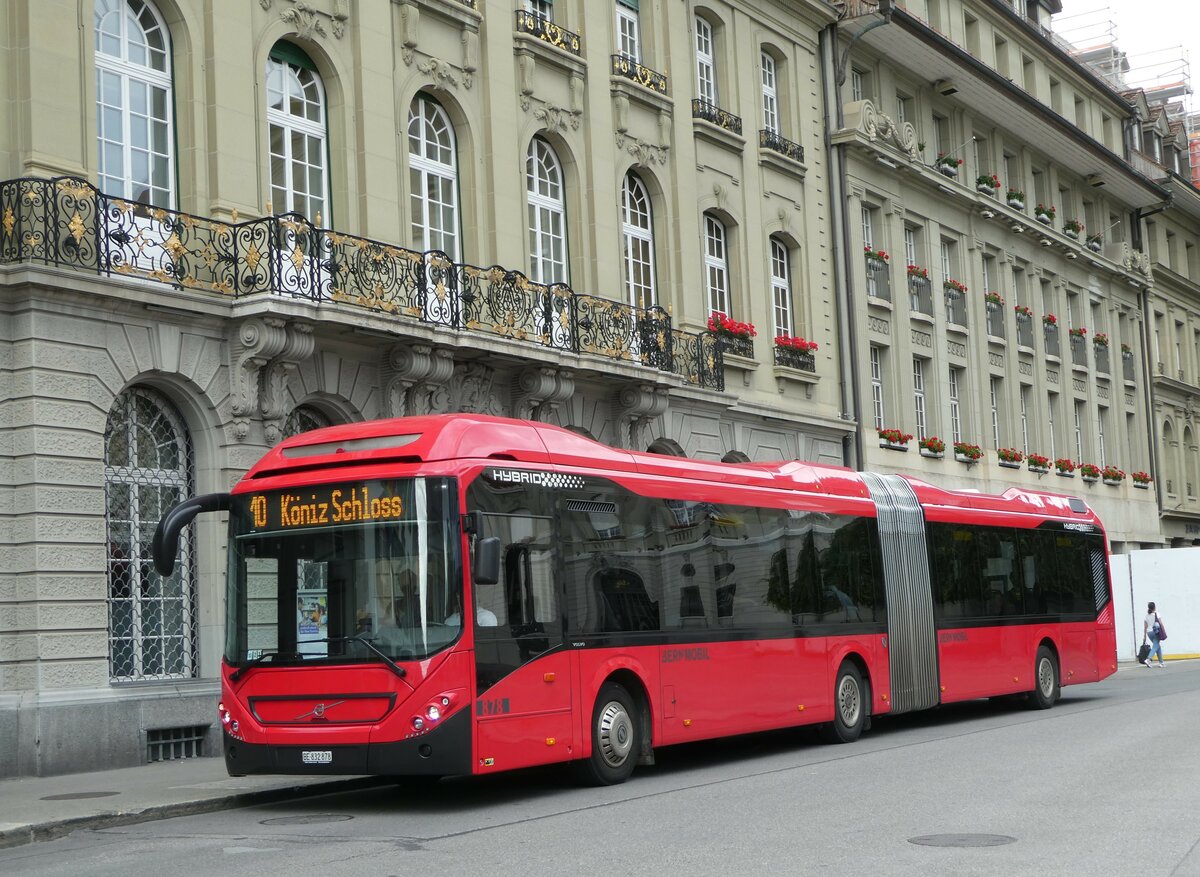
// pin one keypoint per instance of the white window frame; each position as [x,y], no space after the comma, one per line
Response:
[629,42]
[919,396]
[130,76]
[781,287]
[706,64]
[994,393]
[637,233]
[910,245]
[290,194]
[428,113]
[1079,418]
[955,410]
[877,405]
[545,199]
[770,92]
[716,265]
[1050,400]
[541,8]
[857,83]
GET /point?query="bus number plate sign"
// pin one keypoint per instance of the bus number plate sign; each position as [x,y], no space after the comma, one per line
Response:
[316,756]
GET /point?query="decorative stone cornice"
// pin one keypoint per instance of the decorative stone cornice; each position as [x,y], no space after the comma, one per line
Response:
[308,21]
[644,153]
[863,119]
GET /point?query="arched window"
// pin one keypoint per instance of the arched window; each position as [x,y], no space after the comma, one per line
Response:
[781,287]
[134,102]
[637,232]
[296,128]
[716,265]
[304,418]
[433,177]
[147,468]
[547,219]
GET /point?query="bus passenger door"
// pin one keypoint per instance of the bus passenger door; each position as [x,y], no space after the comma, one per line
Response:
[523,679]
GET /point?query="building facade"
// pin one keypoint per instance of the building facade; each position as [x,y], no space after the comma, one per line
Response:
[723,229]
[225,223]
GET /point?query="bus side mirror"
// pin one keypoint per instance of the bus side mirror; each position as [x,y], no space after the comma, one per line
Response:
[485,565]
[165,547]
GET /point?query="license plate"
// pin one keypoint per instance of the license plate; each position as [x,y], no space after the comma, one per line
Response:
[316,756]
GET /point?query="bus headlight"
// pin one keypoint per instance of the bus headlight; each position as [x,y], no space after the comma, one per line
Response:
[418,723]
[433,713]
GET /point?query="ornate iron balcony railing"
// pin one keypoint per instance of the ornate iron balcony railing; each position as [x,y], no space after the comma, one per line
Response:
[804,360]
[772,140]
[739,345]
[920,296]
[644,76]
[547,31]
[702,109]
[68,223]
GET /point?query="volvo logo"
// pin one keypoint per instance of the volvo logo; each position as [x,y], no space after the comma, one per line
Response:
[318,711]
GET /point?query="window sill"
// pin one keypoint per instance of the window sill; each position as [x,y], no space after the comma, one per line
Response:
[646,96]
[877,302]
[997,340]
[742,364]
[717,135]
[782,163]
[920,317]
[785,375]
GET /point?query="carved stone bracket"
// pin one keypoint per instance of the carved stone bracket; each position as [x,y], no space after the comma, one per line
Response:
[636,406]
[274,401]
[645,153]
[474,393]
[539,390]
[309,21]
[862,117]
[414,378]
[556,119]
[257,341]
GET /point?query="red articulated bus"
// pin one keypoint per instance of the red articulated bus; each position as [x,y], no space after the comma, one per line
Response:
[462,594]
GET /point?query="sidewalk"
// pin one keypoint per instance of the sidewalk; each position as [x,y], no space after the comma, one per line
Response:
[43,808]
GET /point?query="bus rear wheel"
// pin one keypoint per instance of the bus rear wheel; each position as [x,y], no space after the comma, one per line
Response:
[1045,680]
[615,736]
[850,706]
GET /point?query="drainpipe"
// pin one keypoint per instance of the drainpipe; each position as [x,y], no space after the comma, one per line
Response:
[1148,382]
[833,77]
[1147,373]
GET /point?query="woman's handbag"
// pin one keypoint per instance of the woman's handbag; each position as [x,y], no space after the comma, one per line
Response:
[1162,628]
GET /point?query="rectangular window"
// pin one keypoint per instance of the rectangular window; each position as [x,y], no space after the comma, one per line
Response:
[770,93]
[947,259]
[919,395]
[1081,115]
[971,28]
[1101,420]
[628,38]
[877,386]
[1024,419]
[994,392]
[1051,417]
[910,245]
[955,411]
[1079,421]
[706,74]
[857,84]
[941,135]
[781,288]
[542,8]
[868,232]
[1002,59]
[904,108]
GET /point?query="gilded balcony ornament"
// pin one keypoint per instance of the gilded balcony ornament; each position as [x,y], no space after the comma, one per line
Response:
[174,246]
[702,109]
[643,76]
[297,258]
[547,31]
[253,257]
[74,188]
[9,221]
[769,139]
[77,228]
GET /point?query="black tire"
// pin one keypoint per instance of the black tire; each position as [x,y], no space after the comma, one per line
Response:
[1045,680]
[850,706]
[615,738]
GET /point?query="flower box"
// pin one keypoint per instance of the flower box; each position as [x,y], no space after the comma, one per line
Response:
[933,455]
[1038,470]
[893,446]
[1112,482]
[1064,473]
[1142,485]
[1016,204]
[1090,479]
[893,439]
[1009,464]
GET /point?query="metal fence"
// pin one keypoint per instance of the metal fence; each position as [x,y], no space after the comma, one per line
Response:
[67,222]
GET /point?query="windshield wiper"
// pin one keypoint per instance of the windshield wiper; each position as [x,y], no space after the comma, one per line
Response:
[261,659]
[396,668]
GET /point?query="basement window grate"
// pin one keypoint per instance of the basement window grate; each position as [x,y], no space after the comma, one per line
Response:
[172,744]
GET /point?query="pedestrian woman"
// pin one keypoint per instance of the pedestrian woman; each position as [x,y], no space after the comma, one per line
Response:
[1151,628]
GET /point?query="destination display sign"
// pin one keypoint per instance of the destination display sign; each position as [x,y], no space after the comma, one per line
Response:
[326,505]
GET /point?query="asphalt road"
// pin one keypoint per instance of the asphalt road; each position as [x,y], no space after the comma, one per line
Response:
[1106,783]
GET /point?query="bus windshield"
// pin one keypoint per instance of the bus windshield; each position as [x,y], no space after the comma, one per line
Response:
[344,572]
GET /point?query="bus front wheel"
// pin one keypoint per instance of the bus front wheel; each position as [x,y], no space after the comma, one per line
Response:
[615,736]
[850,705]
[1045,680]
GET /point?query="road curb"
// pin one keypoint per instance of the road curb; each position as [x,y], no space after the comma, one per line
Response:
[51,830]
